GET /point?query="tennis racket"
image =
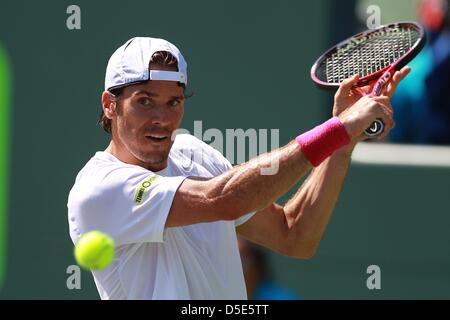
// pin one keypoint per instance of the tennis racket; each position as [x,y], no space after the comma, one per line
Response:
[374,55]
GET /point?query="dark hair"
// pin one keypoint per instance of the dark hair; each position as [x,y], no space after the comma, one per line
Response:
[162,59]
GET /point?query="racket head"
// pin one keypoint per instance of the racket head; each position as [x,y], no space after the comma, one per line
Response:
[369,54]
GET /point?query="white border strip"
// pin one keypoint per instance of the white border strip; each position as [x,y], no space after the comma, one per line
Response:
[401,154]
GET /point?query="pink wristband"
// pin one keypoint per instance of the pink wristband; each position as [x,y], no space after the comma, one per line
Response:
[320,142]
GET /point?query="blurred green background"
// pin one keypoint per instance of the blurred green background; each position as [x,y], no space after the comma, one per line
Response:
[248,65]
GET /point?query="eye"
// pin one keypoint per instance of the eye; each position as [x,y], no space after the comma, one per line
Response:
[174,103]
[145,102]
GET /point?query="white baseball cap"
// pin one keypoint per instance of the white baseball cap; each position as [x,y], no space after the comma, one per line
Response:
[130,63]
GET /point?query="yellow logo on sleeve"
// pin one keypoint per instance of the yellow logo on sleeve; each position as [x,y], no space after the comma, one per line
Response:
[142,188]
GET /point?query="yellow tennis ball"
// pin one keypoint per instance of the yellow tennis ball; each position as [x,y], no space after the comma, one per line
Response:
[94,250]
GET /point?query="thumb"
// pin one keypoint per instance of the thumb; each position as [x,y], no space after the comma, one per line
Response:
[346,86]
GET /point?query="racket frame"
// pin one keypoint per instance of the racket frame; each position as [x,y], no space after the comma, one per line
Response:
[371,78]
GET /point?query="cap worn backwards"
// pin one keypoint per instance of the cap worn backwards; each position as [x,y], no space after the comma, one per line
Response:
[130,63]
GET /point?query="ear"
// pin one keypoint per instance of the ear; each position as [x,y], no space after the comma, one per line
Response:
[109,104]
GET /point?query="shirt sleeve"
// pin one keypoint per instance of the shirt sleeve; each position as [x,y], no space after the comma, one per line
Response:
[244,219]
[131,205]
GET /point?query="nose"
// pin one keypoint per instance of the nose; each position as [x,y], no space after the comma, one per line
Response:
[161,115]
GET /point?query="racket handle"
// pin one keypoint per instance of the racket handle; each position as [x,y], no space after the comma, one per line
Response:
[375,129]
[379,85]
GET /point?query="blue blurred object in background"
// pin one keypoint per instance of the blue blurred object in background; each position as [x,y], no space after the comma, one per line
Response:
[258,277]
[422,103]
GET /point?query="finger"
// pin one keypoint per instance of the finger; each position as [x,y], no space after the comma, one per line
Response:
[361,91]
[400,75]
[387,129]
[383,135]
[385,101]
[396,79]
[367,89]
[386,115]
[392,85]
[388,112]
[381,99]
[387,107]
[346,86]
[405,71]
[382,111]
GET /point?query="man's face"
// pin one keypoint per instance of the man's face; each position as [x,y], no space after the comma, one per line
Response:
[147,115]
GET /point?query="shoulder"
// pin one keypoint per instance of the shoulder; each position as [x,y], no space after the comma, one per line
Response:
[104,175]
[104,166]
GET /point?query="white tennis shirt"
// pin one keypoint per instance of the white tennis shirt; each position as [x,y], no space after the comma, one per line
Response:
[131,204]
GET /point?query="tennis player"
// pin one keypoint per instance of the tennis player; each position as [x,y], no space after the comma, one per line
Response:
[175,225]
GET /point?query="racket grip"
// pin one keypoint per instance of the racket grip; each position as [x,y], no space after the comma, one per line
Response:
[379,85]
[375,129]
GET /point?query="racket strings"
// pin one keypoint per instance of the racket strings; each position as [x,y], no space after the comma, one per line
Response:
[369,54]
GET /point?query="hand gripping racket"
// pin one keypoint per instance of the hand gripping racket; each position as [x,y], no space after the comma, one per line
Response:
[374,55]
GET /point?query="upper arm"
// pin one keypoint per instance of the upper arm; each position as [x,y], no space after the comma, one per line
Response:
[136,206]
[197,199]
[193,203]
[269,228]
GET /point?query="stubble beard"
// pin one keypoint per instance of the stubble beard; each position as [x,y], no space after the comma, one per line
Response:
[152,157]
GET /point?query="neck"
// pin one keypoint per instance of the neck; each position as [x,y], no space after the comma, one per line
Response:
[120,153]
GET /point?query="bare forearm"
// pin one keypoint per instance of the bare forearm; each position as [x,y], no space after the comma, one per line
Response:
[309,211]
[244,188]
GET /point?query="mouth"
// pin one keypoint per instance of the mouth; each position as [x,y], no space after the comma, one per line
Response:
[157,138]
